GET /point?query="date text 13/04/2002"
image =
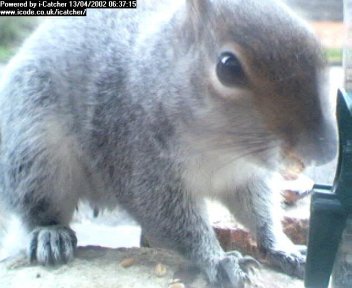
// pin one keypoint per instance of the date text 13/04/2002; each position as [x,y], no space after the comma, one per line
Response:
[103,4]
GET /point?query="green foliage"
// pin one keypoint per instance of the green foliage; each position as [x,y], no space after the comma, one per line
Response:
[12,32]
[5,53]
[333,55]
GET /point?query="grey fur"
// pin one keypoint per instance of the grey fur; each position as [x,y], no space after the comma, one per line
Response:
[121,107]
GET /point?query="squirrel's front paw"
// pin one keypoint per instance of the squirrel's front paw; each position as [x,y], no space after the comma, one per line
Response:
[52,245]
[234,271]
[290,262]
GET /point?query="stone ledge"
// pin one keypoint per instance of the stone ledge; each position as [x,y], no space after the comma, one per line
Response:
[97,267]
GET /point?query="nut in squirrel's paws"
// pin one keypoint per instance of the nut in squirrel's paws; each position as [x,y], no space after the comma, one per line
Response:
[52,245]
[235,271]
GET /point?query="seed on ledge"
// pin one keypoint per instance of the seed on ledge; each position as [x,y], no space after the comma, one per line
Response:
[160,270]
[127,262]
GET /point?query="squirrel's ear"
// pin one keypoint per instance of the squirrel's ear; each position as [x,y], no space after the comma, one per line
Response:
[198,8]
[198,15]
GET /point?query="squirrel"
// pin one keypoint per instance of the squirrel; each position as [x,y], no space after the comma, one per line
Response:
[156,109]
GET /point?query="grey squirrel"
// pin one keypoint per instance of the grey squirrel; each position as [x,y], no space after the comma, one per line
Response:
[156,108]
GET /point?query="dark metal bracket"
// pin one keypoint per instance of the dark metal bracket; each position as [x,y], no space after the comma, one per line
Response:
[331,205]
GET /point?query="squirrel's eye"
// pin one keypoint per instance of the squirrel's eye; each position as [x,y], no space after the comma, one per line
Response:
[229,70]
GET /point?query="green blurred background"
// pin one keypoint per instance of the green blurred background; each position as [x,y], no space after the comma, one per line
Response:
[12,32]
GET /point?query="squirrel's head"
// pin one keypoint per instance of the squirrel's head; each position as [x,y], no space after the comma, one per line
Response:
[261,75]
